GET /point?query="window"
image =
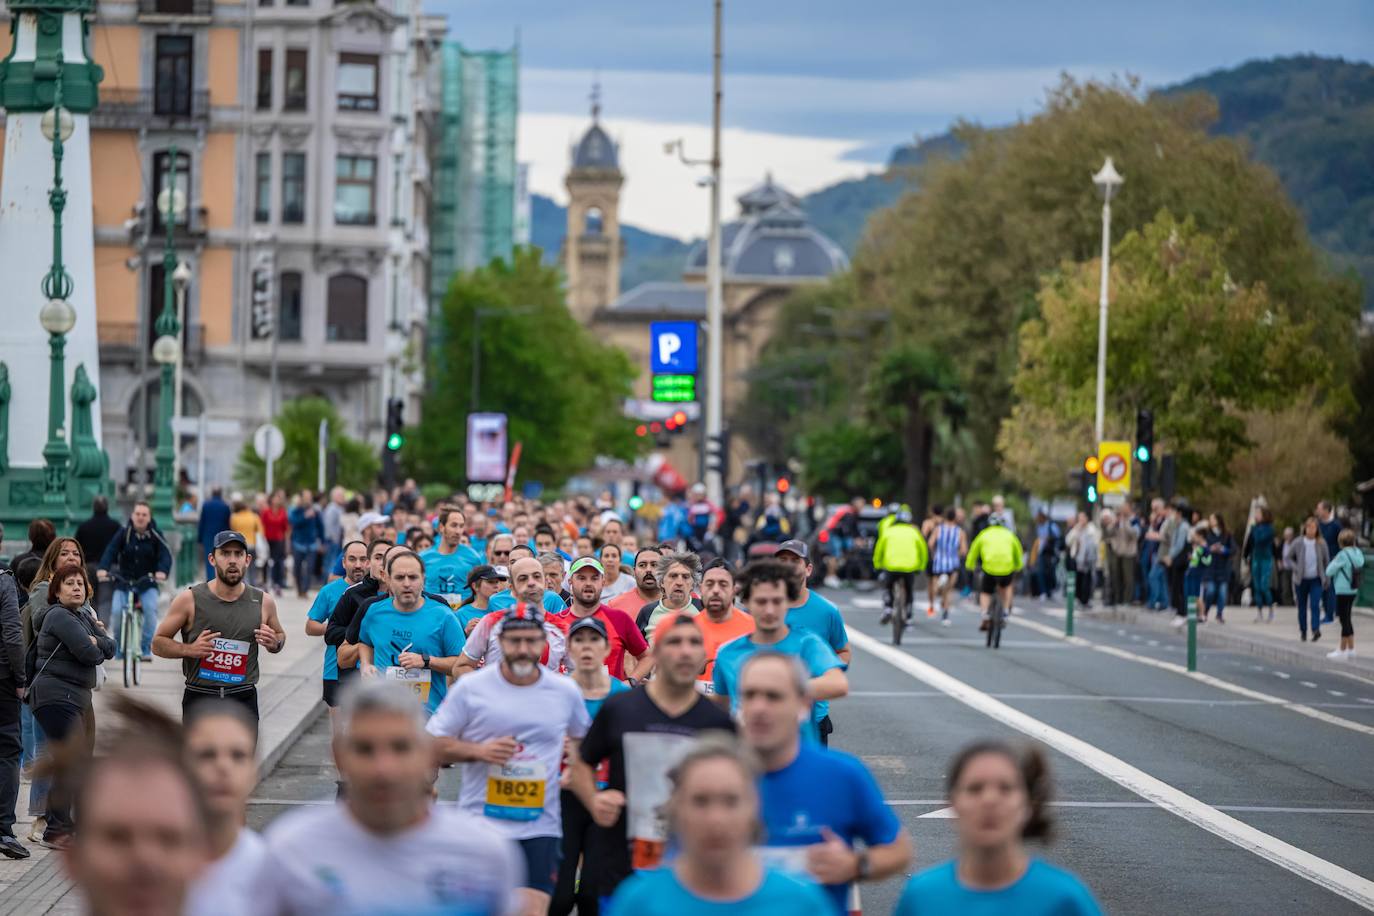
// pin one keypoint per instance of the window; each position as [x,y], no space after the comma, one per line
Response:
[172,76]
[346,311]
[355,184]
[592,224]
[293,187]
[161,179]
[357,82]
[289,315]
[262,189]
[297,2]
[264,79]
[297,63]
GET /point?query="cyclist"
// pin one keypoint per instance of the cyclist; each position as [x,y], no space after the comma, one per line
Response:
[999,550]
[900,553]
[507,724]
[998,796]
[137,557]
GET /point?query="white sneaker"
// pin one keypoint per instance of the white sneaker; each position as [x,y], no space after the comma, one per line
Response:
[1178,621]
[832,581]
[945,622]
[1337,654]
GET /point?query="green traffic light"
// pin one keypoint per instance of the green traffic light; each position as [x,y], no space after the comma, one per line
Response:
[636,503]
[1092,494]
[395,441]
[1142,454]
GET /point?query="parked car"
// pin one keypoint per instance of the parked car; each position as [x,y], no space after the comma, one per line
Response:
[856,563]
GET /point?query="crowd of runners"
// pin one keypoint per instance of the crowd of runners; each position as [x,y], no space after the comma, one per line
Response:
[638,728]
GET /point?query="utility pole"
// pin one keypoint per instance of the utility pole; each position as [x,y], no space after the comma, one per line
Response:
[715,306]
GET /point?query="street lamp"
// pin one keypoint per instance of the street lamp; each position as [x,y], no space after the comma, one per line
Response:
[1107,179]
[167,347]
[57,316]
[181,279]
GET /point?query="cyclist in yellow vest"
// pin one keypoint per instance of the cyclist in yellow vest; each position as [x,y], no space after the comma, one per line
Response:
[900,553]
[999,550]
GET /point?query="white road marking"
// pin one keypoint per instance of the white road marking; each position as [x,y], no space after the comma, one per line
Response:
[1153,642]
[1336,693]
[942,813]
[1089,697]
[869,603]
[1307,684]
[1282,675]
[1299,861]
[1366,700]
[1207,679]
[1253,809]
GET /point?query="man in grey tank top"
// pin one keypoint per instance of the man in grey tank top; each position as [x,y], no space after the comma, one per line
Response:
[222,624]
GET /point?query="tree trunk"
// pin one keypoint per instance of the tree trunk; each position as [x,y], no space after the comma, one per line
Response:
[916,435]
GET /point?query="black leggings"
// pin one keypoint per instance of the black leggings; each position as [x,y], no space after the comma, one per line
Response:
[1345,605]
[60,722]
[580,835]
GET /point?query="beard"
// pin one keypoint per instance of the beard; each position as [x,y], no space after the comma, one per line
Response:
[522,667]
[229,577]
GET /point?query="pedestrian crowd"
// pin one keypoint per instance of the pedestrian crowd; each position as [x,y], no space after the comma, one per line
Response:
[640,728]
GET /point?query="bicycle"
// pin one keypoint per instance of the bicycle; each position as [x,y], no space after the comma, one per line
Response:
[901,606]
[131,631]
[996,622]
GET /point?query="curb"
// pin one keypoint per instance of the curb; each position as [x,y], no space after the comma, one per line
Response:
[1210,638]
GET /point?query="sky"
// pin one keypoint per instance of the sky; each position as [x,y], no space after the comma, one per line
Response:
[817,91]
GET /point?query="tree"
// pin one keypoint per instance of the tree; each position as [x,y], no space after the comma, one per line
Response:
[958,261]
[561,389]
[1184,340]
[298,467]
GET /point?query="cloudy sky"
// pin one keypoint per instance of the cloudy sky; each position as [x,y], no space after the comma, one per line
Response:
[819,90]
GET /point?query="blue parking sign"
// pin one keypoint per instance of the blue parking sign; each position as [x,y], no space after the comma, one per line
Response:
[673,347]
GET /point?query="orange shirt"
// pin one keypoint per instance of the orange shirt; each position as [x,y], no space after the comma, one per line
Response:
[715,634]
[629,602]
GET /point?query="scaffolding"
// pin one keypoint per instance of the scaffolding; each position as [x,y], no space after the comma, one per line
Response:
[475,178]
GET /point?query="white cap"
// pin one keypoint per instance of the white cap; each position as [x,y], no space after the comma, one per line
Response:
[372,518]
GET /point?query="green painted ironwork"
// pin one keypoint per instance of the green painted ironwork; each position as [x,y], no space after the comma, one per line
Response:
[31,85]
[5,392]
[56,284]
[164,482]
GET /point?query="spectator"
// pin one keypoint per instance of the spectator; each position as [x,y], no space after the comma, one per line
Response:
[1156,574]
[1330,527]
[1084,543]
[137,559]
[1344,571]
[1123,546]
[94,535]
[41,534]
[1309,559]
[12,684]
[307,534]
[332,526]
[1259,551]
[249,524]
[1175,552]
[1216,577]
[214,518]
[348,521]
[1046,554]
[274,530]
[1285,576]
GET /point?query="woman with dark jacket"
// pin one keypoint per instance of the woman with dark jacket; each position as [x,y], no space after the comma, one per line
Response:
[1216,577]
[71,645]
[1260,548]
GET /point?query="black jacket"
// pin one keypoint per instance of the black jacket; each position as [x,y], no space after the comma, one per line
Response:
[67,659]
[134,557]
[347,606]
[95,534]
[11,632]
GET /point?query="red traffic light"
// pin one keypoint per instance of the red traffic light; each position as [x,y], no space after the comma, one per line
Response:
[655,427]
[784,484]
[641,430]
[679,419]
[671,422]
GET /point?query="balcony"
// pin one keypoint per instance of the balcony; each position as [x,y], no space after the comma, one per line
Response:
[168,10]
[119,343]
[130,109]
[193,227]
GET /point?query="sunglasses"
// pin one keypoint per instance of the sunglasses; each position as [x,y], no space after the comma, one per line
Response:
[500,553]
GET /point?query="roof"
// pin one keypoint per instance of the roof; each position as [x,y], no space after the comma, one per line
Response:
[686,300]
[763,196]
[595,150]
[773,240]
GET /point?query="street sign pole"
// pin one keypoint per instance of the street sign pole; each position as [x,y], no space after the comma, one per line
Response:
[324,442]
[1192,632]
[1068,598]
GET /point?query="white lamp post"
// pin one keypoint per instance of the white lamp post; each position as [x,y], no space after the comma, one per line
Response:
[1108,180]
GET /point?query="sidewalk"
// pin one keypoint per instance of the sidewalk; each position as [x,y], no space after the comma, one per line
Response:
[288,701]
[1278,641]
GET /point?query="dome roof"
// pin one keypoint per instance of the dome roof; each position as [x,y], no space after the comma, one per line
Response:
[773,240]
[595,150]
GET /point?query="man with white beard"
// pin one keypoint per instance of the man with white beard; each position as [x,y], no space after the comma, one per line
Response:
[507,725]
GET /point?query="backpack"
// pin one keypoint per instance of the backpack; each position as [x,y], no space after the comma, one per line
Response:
[1356,575]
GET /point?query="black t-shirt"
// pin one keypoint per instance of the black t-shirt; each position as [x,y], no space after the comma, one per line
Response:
[347,607]
[635,735]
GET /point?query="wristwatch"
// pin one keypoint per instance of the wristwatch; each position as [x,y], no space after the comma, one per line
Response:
[424,657]
[861,865]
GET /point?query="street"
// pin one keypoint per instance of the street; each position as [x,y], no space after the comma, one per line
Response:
[1298,780]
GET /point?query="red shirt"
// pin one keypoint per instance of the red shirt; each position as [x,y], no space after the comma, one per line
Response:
[621,629]
[274,524]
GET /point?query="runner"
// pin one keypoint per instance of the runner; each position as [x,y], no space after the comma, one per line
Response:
[387,848]
[220,748]
[507,725]
[679,575]
[372,526]
[483,582]
[646,590]
[317,620]
[769,588]
[222,624]
[498,549]
[588,647]
[713,811]
[346,610]
[547,596]
[552,564]
[586,579]
[483,645]
[643,733]
[811,833]
[948,547]
[448,563]
[720,621]
[999,797]
[617,582]
[408,637]
[811,612]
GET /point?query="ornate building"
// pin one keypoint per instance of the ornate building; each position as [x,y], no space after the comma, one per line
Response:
[592,248]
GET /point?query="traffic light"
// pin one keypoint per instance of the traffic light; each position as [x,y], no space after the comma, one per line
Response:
[395,424]
[636,502]
[1087,479]
[783,485]
[642,430]
[718,453]
[1145,447]
[676,423]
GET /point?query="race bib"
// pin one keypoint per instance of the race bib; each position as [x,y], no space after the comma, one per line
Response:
[515,790]
[227,662]
[790,860]
[417,679]
[706,688]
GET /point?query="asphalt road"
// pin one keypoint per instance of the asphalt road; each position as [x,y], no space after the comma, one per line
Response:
[1300,785]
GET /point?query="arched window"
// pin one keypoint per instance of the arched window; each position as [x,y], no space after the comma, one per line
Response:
[346,309]
[592,224]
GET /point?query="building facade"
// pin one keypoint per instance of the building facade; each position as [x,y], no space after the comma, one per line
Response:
[299,133]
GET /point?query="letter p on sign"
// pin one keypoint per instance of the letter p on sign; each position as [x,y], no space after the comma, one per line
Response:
[668,345]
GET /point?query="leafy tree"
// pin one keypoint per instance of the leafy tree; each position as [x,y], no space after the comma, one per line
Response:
[561,388]
[1184,339]
[298,467]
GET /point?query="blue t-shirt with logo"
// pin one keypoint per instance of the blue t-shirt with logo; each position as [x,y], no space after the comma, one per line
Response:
[328,596]
[447,573]
[819,615]
[431,629]
[850,805]
[1043,890]
[504,601]
[815,655]
[658,892]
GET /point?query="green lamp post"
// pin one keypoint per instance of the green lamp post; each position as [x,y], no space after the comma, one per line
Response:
[57,316]
[167,350]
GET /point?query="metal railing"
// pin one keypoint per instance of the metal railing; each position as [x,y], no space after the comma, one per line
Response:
[171,8]
[134,108]
[119,342]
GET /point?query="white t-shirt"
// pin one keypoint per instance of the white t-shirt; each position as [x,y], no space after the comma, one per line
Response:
[521,795]
[226,887]
[322,862]
[484,642]
[625,583]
